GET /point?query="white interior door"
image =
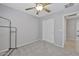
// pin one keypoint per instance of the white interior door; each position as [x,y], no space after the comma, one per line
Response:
[4,35]
[48,30]
[4,38]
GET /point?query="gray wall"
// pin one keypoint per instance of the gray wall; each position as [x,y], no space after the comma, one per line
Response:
[28,26]
[59,23]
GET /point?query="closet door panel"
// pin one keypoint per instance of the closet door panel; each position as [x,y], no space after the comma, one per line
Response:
[48,30]
[4,38]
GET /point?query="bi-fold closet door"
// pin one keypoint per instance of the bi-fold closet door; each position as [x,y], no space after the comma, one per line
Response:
[51,32]
[4,38]
[48,30]
[4,34]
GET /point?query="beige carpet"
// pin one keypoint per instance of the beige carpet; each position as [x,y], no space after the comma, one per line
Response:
[70,45]
[42,48]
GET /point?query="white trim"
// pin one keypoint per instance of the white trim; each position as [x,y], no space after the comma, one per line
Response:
[71,13]
[54,44]
[48,41]
[27,43]
[3,50]
[59,45]
[64,31]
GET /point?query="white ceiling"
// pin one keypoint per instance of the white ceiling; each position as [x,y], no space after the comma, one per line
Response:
[54,7]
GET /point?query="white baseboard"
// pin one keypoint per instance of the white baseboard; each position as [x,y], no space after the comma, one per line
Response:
[38,40]
[21,45]
[27,43]
[49,41]
[58,45]
[54,44]
[4,50]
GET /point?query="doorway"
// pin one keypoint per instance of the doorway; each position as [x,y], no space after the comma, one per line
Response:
[71,25]
[70,42]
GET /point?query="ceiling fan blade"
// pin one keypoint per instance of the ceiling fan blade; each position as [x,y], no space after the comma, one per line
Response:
[47,10]
[45,4]
[30,8]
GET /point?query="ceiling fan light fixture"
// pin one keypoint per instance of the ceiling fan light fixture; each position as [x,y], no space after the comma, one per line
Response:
[39,7]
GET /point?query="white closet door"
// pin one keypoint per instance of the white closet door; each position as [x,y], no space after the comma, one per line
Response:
[48,30]
[4,38]
[4,35]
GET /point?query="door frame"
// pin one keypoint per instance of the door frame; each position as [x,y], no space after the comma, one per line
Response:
[64,25]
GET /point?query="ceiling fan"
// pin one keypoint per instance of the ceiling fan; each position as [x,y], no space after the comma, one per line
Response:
[40,7]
